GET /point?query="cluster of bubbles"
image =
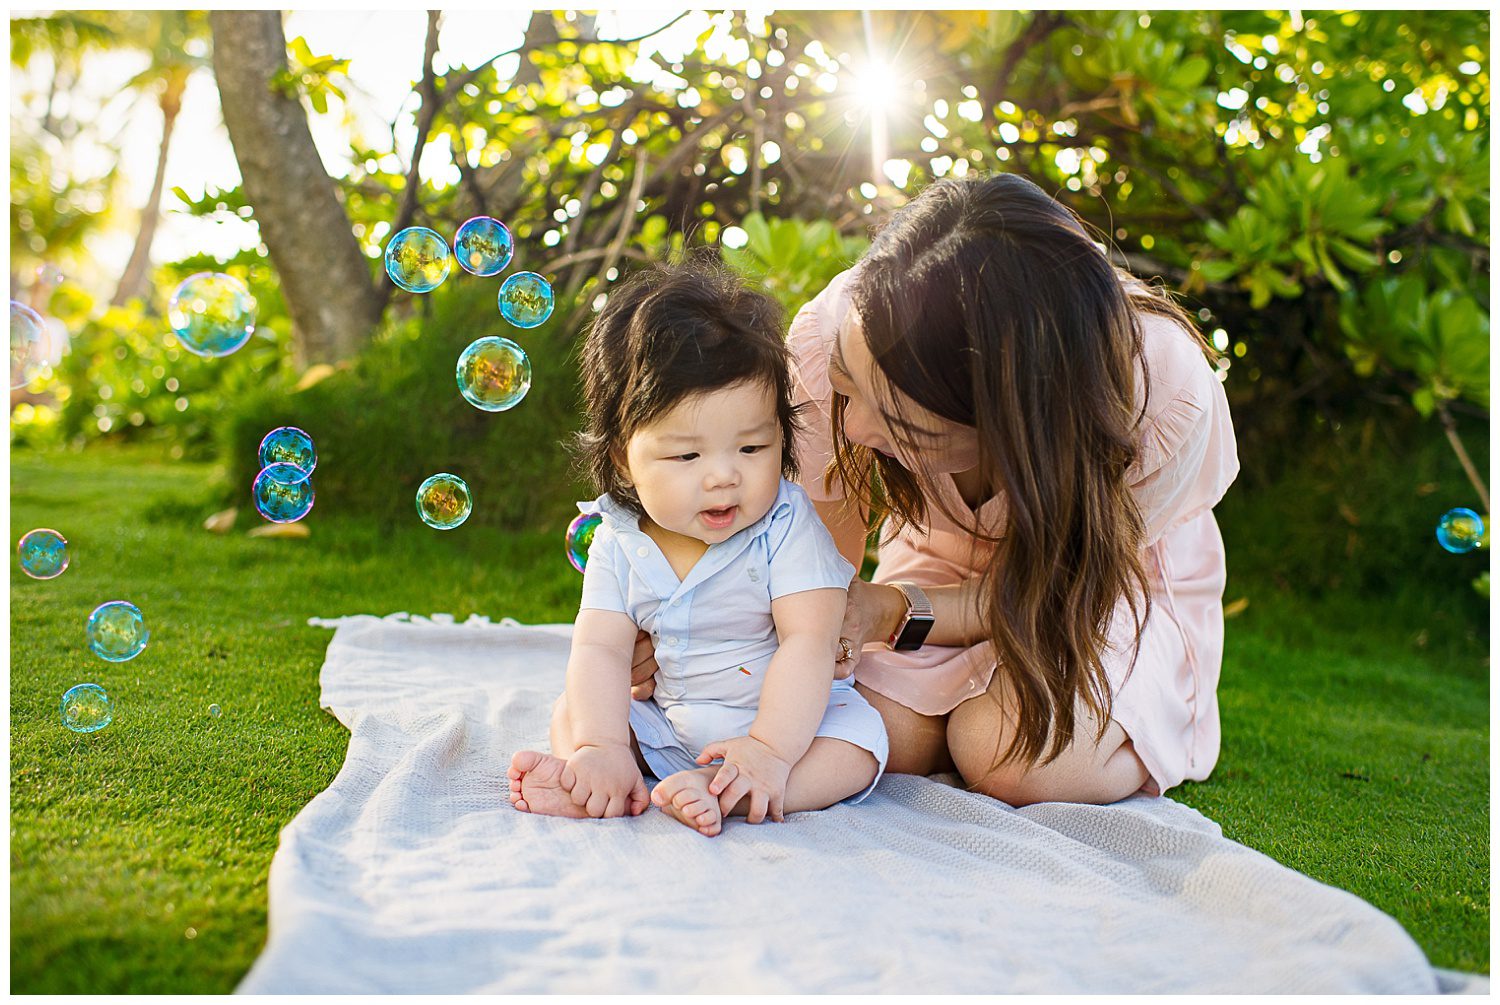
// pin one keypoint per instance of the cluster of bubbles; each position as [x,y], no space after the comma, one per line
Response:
[1460,530]
[493,373]
[283,490]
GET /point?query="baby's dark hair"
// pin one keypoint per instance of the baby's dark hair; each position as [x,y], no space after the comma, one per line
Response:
[664,335]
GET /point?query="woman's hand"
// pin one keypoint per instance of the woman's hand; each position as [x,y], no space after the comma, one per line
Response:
[643,668]
[870,615]
[751,768]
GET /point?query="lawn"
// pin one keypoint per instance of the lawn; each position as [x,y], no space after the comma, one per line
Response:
[1356,742]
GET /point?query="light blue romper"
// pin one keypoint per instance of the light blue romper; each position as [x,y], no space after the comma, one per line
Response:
[713,630]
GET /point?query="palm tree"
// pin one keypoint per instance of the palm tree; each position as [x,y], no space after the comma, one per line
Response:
[176,42]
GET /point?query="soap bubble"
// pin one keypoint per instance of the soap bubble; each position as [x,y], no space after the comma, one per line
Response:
[417,259]
[86,708]
[283,493]
[483,246]
[580,536]
[288,445]
[212,313]
[44,553]
[28,345]
[494,374]
[215,711]
[443,501]
[116,631]
[526,299]
[1460,530]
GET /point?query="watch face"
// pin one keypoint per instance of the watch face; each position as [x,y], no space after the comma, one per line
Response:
[915,633]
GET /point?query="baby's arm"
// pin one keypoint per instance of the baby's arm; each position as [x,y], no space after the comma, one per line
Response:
[601,772]
[792,703]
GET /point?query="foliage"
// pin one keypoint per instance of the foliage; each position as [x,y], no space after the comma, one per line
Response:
[793,260]
[1316,184]
[124,372]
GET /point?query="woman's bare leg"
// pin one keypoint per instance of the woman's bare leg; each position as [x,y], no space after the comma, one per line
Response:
[1085,772]
[919,743]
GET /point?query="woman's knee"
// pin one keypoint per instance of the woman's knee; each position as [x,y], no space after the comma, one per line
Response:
[1089,769]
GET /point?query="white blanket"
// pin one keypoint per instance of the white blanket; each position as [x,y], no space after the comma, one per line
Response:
[413,873]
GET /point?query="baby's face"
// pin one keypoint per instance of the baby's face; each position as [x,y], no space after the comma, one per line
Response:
[711,466]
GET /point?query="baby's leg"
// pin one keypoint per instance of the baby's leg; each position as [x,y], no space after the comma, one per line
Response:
[537,779]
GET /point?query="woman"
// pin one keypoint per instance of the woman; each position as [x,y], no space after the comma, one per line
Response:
[1047,437]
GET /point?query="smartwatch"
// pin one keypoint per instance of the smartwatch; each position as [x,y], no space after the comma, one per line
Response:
[912,631]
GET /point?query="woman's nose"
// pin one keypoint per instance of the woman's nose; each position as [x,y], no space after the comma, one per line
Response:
[861,427]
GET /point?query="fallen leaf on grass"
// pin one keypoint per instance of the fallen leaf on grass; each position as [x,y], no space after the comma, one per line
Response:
[1236,607]
[223,521]
[281,530]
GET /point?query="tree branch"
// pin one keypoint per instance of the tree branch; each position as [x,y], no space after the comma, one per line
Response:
[429,92]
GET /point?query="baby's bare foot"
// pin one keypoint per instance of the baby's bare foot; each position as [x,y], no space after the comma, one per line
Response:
[536,785]
[685,797]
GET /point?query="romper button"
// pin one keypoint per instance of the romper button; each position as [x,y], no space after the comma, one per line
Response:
[641,552]
[671,640]
[676,601]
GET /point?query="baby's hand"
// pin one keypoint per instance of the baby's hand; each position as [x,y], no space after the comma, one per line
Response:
[750,768]
[605,781]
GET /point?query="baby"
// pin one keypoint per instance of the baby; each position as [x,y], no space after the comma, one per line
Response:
[708,547]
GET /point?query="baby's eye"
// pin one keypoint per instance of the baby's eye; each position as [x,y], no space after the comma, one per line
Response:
[754,448]
[685,457]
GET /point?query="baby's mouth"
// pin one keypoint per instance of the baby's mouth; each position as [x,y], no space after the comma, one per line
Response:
[718,519]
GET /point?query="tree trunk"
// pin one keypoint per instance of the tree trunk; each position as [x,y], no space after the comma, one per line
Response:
[325,278]
[134,277]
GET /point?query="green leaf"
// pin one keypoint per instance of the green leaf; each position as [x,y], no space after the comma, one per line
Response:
[1424,401]
[1456,217]
[1190,73]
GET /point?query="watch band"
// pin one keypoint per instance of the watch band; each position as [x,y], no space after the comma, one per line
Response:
[912,631]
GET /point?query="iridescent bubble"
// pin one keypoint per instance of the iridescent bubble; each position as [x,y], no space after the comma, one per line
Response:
[117,631]
[288,445]
[44,553]
[443,501]
[1460,530]
[28,345]
[283,493]
[212,313]
[215,711]
[493,373]
[580,536]
[86,708]
[526,299]
[417,259]
[483,246]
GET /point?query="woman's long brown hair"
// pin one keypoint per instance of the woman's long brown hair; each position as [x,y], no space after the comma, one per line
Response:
[986,302]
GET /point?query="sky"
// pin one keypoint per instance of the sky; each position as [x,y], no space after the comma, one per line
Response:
[385,53]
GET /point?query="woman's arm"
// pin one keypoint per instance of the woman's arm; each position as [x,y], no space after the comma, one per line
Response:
[874,611]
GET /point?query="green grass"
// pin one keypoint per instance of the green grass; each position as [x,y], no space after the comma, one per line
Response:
[1355,735]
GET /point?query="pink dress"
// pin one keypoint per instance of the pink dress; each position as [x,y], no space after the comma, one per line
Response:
[1167,704]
